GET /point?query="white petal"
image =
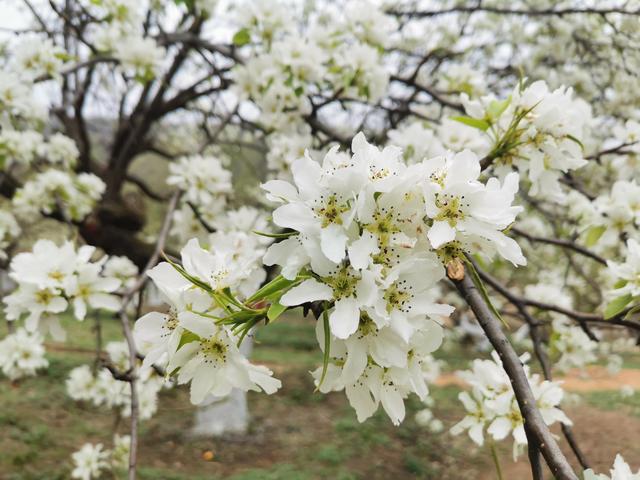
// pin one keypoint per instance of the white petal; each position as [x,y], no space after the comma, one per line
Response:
[279,190]
[333,241]
[308,291]
[201,326]
[296,216]
[440,233]
[105,301]
[393,404]
[499,428]
[148,328]
[345,318]
[356,361]
[361,250]
[361,400]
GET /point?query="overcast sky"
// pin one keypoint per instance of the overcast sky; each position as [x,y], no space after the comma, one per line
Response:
[12,15]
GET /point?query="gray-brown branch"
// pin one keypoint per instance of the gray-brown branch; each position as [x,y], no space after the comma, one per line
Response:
[540,433]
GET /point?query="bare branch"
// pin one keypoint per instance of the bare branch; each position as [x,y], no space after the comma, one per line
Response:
[540,433]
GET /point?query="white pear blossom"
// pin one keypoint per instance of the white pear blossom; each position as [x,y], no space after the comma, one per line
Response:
[50,278]
[89,462]
[492,403]
[627,272]
[620,471]
[22,354]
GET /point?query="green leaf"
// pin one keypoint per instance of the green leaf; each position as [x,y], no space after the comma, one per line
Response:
[327,343]
[574,139]
[617,305]
[497,108]
[473,122]
[187,337]
[278,283]
[275,235]
[483,290]
[275,310]
[242,37]
[620,283]
[632,311]
[594,234]
[196,281]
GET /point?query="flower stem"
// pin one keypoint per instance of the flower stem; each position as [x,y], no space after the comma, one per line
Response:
[496,461]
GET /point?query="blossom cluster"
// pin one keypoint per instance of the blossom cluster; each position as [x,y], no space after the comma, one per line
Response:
[52,278]
[620,471]
[206,183]
[536,130]
[93,461]
[626,275]
[492,403]
[22,354]
[102,389]
[187,339]
[339,55]
[23,147]
[120,33]
[56,190]
[370,237]
[9,232]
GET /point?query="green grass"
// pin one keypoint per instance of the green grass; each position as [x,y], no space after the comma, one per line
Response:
[301,433]
[613,400]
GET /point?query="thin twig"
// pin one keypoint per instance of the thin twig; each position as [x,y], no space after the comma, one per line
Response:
[561,243]
[126,328]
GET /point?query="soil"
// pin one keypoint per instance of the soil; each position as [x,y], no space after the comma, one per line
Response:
[593,378]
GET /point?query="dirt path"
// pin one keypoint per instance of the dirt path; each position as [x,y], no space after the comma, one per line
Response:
[593,379]
[601,434]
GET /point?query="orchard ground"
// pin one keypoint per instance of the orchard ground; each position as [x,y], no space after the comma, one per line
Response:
[296,434]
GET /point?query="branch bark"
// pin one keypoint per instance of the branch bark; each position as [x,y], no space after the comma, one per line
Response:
[540,433]
[126,328]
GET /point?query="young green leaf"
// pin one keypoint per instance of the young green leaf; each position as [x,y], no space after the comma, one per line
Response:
[473,122]
[242,37]
[616,306]
[594,234]
[275,310]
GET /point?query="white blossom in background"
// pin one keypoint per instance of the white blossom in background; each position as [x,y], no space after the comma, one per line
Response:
[122,269]
[120,452]
[101,389]
[35,56]
[89,462]
[620,471]
[140,57]
[210,360]
[205,181]
[9,231]
[52,278]
[575,347]
[22,354]
[59,149]
[51,190]
[93,461]
[627,273]
[417,141]
[492,404]
[545,127]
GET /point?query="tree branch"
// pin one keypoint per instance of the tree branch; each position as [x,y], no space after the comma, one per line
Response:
[540,433]
[561,243]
